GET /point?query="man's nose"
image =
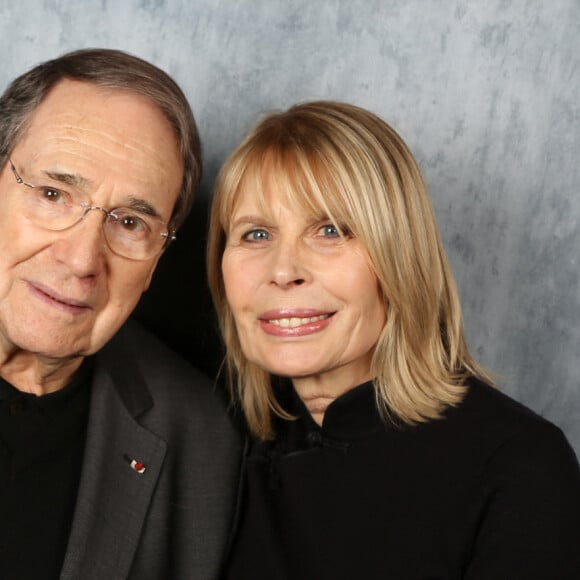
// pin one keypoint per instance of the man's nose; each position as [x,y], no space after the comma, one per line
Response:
[82,247]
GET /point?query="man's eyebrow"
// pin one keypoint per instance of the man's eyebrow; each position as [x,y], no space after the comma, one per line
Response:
[74,180]
[68,178]
[142,206]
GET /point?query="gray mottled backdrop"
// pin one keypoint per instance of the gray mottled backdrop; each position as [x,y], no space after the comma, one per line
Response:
[486,93]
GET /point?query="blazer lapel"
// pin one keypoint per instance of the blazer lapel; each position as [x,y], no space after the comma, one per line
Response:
[121,466]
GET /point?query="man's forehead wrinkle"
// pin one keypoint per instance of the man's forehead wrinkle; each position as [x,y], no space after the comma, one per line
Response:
[74,137]
[82,181]
[74,123]
[75,130]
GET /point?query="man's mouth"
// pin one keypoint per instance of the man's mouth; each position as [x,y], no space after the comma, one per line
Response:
[48,294]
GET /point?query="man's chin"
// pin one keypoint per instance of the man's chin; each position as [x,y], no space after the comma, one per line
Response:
[51,349]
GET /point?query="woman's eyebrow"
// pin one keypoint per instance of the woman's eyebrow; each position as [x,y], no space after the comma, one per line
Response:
[248,219]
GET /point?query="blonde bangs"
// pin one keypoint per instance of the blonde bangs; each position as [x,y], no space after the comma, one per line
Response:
[338,162]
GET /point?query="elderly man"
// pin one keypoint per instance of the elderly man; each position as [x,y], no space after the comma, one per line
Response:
[116,458]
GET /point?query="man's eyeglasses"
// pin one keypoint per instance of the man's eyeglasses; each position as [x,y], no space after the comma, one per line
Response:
[129,232]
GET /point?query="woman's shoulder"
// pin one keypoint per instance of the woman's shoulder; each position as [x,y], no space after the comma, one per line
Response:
[506,432]
[486,405]
[529,480]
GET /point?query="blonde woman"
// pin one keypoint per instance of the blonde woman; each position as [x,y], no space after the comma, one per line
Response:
[379,448]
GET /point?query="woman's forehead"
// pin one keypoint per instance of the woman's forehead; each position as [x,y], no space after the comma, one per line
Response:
[267,184]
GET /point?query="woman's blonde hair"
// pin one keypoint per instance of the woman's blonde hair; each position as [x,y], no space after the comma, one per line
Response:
[342,161]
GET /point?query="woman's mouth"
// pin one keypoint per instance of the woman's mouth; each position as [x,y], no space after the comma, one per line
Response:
[281,325]
[295,321]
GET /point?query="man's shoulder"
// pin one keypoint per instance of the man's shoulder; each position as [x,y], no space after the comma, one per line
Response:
[139,362]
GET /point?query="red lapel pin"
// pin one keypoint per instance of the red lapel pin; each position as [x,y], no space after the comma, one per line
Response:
[137,466]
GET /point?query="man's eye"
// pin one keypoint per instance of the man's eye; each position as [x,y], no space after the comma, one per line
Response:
[52,195]
[128,223]
[131,223]
[256,236]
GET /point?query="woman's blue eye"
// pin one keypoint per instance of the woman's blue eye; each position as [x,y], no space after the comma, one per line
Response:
[257,236]
[329,231]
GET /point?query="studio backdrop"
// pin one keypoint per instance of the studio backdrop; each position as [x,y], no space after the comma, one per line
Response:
[486,94]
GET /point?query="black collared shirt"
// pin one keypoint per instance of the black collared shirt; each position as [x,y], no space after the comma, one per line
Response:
[41,449]
[489,491]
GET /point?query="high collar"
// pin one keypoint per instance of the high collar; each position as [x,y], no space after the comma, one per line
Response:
[354,414]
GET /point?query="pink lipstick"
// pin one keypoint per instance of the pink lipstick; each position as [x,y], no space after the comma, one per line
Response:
[293,323]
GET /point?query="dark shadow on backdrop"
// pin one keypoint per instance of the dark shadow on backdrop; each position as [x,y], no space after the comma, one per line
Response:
[178,307]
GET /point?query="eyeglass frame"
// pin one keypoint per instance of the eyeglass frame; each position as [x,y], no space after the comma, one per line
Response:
[169,235]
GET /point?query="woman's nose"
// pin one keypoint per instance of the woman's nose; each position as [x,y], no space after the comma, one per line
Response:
[289,265]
